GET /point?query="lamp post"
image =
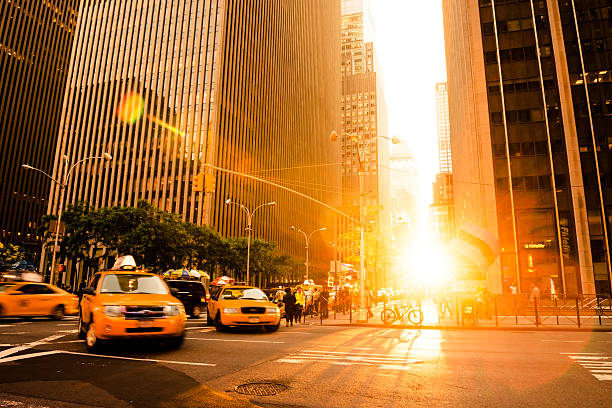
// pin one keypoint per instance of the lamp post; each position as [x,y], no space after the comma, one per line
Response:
[62,184]
[307,238]
[249,228]
[362,151]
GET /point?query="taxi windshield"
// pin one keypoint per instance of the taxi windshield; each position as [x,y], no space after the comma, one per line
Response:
[244,293]
[133,283]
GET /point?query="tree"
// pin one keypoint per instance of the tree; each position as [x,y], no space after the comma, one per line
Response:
[9,254]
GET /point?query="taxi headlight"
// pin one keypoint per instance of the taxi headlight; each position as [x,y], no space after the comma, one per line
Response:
[114,310]
[272,310]
[231,310]
[174,309]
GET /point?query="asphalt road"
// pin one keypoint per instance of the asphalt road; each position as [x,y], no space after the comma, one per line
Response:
[43,364]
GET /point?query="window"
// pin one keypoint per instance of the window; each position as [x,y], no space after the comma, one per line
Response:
[527,149]
[544,182]
[531,183]
[499,150]
[541,148]
[518,183]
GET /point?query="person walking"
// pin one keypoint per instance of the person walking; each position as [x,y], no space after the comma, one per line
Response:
[289,301]
[316,297]
[323,302]
[535,299]
[300,303]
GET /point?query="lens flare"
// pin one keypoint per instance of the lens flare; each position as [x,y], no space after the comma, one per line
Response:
[130,108]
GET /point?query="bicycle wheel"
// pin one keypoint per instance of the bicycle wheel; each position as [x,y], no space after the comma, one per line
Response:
[415,317]
[387,316]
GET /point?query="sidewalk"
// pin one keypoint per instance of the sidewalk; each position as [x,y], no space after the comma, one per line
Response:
[508,323]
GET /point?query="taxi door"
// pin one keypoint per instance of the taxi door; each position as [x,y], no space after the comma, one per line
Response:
[86,304]
[213,304]
[25,303]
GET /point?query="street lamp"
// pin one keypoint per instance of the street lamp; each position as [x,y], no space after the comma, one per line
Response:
[354,138]
[62,183]
[307,238]
[249,228]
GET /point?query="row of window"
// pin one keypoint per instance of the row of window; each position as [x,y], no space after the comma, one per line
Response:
[508,26]
[518,116]
[517,54]
[532,183]
[522,85]
[597,77]
[537,148]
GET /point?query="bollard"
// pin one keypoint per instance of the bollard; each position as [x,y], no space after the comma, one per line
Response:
[351,309]
[557,310]
[475,311]
[496,319]
[537,316]
[577,313]
[515,309]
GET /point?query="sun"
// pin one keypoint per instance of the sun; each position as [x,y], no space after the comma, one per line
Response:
[428,266]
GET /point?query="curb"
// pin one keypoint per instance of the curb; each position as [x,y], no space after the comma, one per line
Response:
[503,328]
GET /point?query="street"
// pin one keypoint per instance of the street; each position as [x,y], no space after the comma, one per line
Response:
[43,364]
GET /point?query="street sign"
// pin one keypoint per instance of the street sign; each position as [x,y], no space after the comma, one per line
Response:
[599,311]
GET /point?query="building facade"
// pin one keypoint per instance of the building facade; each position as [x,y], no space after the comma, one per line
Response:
[364,117]
[35,43]
[404,190]
[530,94]
[443,127]
[248,86]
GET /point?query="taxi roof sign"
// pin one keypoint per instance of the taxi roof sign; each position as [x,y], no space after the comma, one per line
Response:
[124,263]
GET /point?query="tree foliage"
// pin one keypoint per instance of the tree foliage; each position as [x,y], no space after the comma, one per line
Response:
[160,241]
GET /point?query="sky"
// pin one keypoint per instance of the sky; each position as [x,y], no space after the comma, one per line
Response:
[409,41]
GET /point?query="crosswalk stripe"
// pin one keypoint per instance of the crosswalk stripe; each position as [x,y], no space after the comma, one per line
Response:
[345,358]
[598,365]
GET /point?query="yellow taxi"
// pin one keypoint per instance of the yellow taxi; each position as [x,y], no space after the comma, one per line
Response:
[241,305]
[124,304]
[36,299]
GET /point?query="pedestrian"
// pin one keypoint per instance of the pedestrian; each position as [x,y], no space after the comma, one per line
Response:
[535,299]
[316,296]
[300,303]
[369,302]
[513,288]
[289,301]
[323,302]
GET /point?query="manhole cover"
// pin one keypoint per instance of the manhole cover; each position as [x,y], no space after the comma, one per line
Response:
[260,389]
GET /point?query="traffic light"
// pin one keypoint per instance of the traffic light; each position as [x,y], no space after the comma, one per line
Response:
[198,182]
[330,282]
[209,183]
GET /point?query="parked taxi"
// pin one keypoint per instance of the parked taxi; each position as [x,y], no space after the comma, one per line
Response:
[124,304]
[242,305]
[36,299]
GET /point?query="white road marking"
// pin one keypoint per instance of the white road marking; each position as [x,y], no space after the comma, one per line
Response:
[238,341]
[26,346]
[196,328]
[599,366]
[139,359]
[68,341]
[564,341]
[383,361]
[31,355]
[6,325]
[206,330]
[23,323]
[66,324]
[13,333]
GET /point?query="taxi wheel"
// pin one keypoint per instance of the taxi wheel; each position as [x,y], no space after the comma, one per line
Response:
[196,312]
[220,327]
[176,342]
[91,340]
[58,313]
[209,320]
[1,311]
[273,328]
[81,334]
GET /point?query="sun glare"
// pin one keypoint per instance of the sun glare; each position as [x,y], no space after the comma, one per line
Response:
[428,267]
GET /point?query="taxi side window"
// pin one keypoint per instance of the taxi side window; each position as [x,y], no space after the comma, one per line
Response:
[45,290]
[215,292]
[94,282]
[29,289]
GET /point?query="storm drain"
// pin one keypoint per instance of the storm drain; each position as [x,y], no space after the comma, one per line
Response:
[260,389]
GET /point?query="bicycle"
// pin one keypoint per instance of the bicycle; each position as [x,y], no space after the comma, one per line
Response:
[390,315]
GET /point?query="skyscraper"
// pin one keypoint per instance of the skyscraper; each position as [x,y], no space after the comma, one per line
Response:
[166,87]
[530,110]
[443,125]
[404,189]
[364,115]
[35,42]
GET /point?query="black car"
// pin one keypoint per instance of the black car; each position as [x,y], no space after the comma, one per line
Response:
[192,294]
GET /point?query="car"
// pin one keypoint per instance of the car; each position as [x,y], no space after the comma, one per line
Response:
[242,306]
[19,299]
[129,304]
[193,294]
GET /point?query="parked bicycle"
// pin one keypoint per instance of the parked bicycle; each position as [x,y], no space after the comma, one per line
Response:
[391,314]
